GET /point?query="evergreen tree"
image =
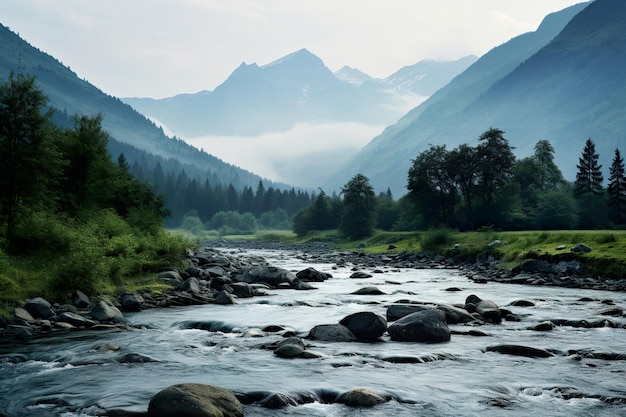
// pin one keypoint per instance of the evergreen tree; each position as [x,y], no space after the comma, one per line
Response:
[359,208]
[549,174]
[589,176]
[29,160]
[617,188]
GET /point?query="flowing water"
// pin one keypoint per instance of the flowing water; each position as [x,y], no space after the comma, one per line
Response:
[63,375]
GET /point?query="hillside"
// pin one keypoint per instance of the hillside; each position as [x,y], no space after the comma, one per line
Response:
[473,101]
[70,95]
[297,88]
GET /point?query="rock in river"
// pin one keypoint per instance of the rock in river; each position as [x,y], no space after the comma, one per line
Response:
[428,326]
[194,400]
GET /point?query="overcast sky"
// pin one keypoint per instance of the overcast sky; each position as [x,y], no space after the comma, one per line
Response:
[159,48]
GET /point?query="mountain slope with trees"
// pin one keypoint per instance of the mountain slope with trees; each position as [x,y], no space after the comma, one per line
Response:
[71,95]
[465,107]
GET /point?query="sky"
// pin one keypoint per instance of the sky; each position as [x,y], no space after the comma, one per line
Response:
[160,48]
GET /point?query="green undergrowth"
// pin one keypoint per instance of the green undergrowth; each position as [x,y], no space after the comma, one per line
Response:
[99,257]
[606,259]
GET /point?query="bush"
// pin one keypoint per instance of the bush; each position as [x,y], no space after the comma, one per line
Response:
[437,239]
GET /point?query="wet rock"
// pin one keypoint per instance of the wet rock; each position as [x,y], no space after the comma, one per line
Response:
[313,275]
[225,298]
[242,290]
[360,397]
[366,326]
[218,282]
[131,302]
[75,320]
[397,311]
[290,347]
[428,326]
[519,350]
[360,275]
[332,333]
[80,299]
[170,275]
[40,308]
[456,315]
[197,400]
[489,311]
[266,274]
[544,326]
[190,285]
[22,314]
[136,358]
[612,312]
[103,311]
[368,291]
[277,400]
[522,303]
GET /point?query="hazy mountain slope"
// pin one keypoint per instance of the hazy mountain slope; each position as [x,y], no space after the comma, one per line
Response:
[293,89]
[427,76]
[72,95]
[442,119]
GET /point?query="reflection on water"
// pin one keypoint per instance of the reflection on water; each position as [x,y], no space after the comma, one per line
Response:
[65,375]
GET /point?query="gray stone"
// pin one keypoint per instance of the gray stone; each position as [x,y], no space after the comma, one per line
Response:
[75,320]
[190,285]
[368,291]
[428,326]
[360,397]
[195,400]
[332,333]
[365,326]
[39,308]
[131,302]
[224,297]
[313,275]
[360,275]
[581,247]
[103,311]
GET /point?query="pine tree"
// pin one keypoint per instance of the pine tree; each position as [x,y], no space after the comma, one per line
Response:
[589,177]
[617,188]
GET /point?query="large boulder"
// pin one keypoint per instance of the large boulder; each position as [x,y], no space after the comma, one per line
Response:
[266,274]
[40,308]
[365,325]
[75,320]
[360,397]
[131,302]
[194,400]
[428,326]
[190,285]
[397,311]
[103,311]
[313,275]
[332,333]
[489,311]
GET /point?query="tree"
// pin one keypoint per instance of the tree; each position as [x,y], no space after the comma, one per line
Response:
[430,179]
[463,163]
[589,176]
[557,209]
[495,164]
[549,175]
[29,160]
[359,208]
[617,188]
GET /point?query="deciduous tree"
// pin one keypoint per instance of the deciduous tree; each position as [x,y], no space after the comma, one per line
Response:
[359,208]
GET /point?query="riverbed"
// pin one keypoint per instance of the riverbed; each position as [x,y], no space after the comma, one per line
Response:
[66,375]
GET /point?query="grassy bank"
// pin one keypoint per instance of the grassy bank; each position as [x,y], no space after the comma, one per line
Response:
[606,259]
[93,262]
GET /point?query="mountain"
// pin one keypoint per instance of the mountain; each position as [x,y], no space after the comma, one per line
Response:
[427,76]
[71,95]
[564,82]
[297,88]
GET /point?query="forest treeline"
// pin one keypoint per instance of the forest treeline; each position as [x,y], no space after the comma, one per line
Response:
[484,186]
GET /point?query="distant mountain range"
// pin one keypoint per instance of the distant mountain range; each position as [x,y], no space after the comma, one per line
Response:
[70,95]
[297,88]
[565,82]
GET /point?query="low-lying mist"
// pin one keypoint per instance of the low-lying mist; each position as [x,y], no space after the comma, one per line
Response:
[304,156]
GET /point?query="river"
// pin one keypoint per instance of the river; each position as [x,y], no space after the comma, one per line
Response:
[63,375]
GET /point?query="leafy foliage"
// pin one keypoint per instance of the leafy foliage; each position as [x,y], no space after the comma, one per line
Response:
[359,208]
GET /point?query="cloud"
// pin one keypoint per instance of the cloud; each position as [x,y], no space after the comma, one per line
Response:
[304,156]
